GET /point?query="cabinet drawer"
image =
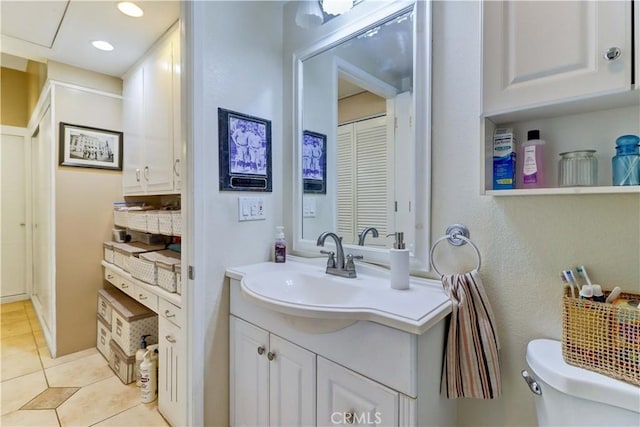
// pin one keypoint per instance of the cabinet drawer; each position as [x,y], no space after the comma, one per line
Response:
[171,312]
[345,397]
[146,298]
[120,282]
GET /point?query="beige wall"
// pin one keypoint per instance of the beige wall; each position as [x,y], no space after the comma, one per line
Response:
[362,105]
[13,93]
[78,76]
[525,241]
[84,221]
[36,78]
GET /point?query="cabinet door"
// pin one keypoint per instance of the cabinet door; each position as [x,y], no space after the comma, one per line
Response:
[249,374]
[292,384]
[177,111]
[345,397]
[171,373]
[544,52]
[157,168]
[133,137]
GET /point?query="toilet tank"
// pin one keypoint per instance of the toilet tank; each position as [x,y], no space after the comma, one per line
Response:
[573,396]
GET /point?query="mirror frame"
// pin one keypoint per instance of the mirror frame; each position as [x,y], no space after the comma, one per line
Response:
[419,258]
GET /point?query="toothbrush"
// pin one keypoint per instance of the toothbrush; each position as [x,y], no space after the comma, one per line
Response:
[572,279]
[583,272]
[615,293]
[567,283]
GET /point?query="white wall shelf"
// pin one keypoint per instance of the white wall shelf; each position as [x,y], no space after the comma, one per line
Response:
[631,189]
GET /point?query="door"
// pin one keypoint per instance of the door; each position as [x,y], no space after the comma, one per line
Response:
[13,237]
[171,378]
[292,384]
[249,374]
[43,225]
[347,398]
[542,52]
[132,157]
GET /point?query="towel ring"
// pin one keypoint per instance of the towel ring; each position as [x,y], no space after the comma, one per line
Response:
[457,235]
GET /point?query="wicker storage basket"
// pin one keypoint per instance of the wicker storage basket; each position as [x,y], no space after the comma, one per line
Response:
[120,217]
[143,270]
[108,251]
[165,223]
[137,220]
[176,222]
[602,337]
[178,269]
[124,251]
[152,222]
[166,270]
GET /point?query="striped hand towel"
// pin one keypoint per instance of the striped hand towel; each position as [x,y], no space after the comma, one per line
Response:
[471,367]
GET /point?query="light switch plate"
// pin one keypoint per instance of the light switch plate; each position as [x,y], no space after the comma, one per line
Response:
[251,209]
[309,207]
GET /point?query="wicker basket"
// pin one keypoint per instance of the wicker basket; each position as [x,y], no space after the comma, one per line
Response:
[165,223]
[176,222]
[120,218]
[602,337]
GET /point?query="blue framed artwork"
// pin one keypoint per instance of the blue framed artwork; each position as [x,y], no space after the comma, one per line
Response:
[314,162]
[244,152]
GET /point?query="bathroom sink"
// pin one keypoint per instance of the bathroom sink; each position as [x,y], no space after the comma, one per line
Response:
[303,289]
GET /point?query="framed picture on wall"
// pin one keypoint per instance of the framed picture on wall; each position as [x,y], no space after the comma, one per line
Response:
[244,152]
[314,162]
[88,147]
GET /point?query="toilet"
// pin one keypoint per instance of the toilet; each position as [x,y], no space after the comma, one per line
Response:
[570,396]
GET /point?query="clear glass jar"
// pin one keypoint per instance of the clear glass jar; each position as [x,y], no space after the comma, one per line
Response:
[578,168]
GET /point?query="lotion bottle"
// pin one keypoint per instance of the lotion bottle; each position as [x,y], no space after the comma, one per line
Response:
[399,263]
[140,356]
[533,169]
[149,375]
[280,249]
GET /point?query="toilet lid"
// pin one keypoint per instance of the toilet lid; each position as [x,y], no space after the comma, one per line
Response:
[544,357]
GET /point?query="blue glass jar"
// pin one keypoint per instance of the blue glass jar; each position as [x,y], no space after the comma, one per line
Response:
[626,162]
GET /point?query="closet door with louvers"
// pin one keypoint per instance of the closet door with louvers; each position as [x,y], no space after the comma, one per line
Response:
[364,167]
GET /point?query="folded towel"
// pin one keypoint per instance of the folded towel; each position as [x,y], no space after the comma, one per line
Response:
[471,367]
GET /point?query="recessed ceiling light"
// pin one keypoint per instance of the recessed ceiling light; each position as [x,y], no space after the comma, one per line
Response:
[102,45]
[130,9]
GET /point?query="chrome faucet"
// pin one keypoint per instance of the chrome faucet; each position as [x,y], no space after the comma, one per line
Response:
[374,233]
[337,266]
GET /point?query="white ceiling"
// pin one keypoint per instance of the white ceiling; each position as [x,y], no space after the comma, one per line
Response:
[62,31]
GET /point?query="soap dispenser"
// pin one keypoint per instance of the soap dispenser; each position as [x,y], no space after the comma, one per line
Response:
[399,263]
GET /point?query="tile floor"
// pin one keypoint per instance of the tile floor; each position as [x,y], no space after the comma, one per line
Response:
[78,389]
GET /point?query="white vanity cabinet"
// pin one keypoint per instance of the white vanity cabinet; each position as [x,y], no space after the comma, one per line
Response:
[272,381]
[366,372]
[151,159]
[172,364]
[541,52]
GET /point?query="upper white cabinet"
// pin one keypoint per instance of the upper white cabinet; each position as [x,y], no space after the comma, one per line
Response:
[153,145]
[568,69]
[538,53]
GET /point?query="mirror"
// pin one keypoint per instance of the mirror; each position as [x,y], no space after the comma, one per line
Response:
[358,159]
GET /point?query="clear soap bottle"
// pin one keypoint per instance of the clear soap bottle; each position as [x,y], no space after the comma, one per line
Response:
[280,247]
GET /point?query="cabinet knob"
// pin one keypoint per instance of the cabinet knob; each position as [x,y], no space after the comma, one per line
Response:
[146,173]
[261,350]
[176,171]
[138,175]
[271,355]
[171,339]
[612,54]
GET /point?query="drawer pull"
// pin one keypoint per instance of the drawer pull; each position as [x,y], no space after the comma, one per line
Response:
[109,276]
[141,296]
[261,350]
[168,314]
[124,285]
[171,339]
[271,355]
